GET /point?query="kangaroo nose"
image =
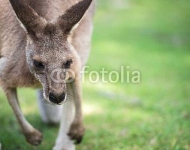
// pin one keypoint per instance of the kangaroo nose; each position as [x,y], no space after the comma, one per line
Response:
[56,98]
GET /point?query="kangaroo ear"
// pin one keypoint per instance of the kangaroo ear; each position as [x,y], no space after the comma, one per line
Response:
[73,15]
[31,21]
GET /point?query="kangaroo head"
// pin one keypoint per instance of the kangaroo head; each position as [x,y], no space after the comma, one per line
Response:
[48,50]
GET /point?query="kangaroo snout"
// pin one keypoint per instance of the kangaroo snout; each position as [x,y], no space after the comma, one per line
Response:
[57,98]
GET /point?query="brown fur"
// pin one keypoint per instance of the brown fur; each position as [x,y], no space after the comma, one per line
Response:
[42,30]
[13,39]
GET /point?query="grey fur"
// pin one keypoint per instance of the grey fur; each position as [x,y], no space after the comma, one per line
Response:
[33,30]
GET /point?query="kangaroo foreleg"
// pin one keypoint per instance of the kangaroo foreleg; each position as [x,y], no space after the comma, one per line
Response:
[32,135]
[77,128]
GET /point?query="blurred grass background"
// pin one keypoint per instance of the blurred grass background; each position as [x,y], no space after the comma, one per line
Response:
[150,36]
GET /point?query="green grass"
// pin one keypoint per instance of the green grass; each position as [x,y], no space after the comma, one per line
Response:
[150,36]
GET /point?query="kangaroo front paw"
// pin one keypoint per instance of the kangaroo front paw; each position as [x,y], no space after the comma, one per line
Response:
[76,132]
[34,137]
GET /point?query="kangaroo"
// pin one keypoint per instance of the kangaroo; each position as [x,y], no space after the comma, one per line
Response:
[38,37]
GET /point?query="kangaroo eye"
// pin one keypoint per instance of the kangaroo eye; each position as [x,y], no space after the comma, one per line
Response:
[38,65]
[68,63]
